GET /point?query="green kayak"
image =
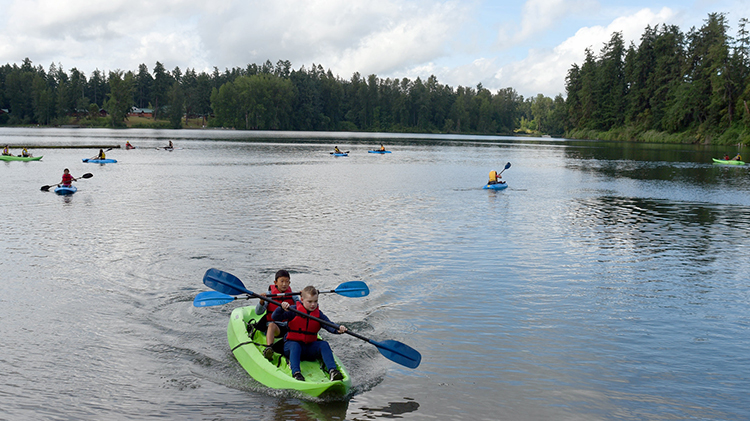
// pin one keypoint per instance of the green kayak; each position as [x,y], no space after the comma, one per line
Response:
[728,162]
[276,373]
[19,158]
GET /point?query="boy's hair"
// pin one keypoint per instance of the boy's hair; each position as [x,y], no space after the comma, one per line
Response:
[281,274]
[309,291]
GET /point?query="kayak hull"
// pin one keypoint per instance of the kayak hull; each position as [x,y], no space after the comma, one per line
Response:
[339,154]
[66,190]
[381,152]
[728,162]
[19,158]
[99,161]
[277,374]
[498,186]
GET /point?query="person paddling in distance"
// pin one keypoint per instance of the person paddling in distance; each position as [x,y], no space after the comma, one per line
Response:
[25,153]
[301,341]
[336,149]
[495,178]
[382,148]
[67,179]
[737,157]
[100,155]
[6,151]
[281,285]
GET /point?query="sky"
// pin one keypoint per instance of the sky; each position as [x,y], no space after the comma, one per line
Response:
[525,45]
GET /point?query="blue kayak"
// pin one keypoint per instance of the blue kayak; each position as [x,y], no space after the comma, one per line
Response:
[99,161]
[66,189]
[339,154]
[379,151]
[496,186]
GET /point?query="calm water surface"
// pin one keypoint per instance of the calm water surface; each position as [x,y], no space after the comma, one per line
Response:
[608,282]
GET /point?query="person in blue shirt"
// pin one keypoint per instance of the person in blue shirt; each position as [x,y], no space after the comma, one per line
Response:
[301,340]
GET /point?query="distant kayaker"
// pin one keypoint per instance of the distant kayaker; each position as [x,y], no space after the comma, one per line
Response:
[25,153]
[100,155]
[171,145]
[495,178]
[67,179]
[336,149]
[301,341]
[737,157]
[6,151]
[726,157]
[128,145]
[382,148]
[281,285]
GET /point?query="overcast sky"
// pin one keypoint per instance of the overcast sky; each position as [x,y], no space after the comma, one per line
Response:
[528,46]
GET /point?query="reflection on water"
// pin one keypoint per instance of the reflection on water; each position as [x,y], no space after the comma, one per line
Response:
[310,411]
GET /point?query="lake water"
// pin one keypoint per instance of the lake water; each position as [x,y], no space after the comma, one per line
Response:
[608,282]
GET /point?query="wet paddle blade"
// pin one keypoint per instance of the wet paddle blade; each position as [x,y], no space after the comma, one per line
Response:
[399,353]
[224,282]
[353,289]
[212,298]
[87,175]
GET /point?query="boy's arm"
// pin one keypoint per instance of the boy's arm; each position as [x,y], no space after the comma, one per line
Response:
[326,327]
[280,315]
[262,304]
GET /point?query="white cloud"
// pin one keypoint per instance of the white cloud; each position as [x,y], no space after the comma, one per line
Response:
[544,71]
[538,16]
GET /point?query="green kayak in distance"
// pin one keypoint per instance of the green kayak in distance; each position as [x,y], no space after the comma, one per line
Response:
[247,345]
[728,162]
[19,158]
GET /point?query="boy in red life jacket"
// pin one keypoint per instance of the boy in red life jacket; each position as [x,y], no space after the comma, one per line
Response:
[280,285]
[301,340]
[67,179]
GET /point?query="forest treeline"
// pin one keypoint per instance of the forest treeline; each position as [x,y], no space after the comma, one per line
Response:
[671,87]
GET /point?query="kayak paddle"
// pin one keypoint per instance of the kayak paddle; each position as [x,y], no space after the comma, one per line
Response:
[395,351]
[212,298]
[46,188]
[506,167]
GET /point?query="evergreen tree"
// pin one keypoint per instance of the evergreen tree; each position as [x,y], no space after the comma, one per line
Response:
[120,98]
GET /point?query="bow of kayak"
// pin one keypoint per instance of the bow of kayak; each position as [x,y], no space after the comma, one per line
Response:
[248,347]
[379,151]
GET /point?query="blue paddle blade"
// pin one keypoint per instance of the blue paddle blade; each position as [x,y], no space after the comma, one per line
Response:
[507,165]
[225,282]
[399,353]
[212,298]
[353,289]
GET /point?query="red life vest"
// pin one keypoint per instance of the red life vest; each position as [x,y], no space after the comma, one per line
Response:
[271,306]
[303,329]
[67,179]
